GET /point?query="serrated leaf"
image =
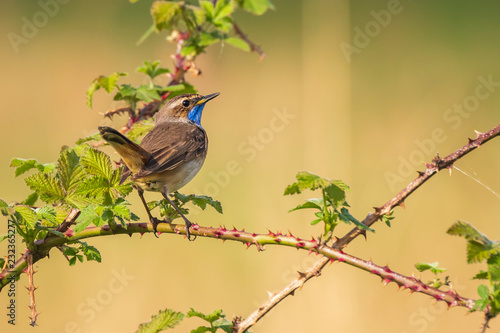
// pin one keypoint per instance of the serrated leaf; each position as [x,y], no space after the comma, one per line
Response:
[97,163]
[139,129]
[87,216]
[91,253]
[107,83]
[69,170]
[238,43]
[93,137]
[151,69]
[122,211]
[215,315]
[47,213]
[23,166]
[476,251]
[466,230]
[26,214]
[482,275]
[47,186]
[494,268]
[31,199]
[310,181]
[200,200]
[163,13]
[165,319]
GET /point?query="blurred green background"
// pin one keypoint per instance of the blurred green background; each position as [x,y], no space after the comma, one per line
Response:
[368,120]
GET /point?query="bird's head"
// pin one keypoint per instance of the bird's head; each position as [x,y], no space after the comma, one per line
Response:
[186,106]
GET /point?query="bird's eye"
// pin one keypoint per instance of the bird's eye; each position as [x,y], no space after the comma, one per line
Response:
[185,103]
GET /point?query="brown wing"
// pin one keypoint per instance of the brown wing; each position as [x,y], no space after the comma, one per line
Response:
[171,144]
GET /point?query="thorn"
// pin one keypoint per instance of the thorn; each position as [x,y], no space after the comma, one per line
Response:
[470,140]
[377,209]
[363,232]
[478,133]
[420,173]
[402,205]
[270,294]
[427,165]
[302,275]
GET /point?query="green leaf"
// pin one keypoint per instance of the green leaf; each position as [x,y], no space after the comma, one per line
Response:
[97,163]
[217,314]
[494,268]
[200,200]
[140,129]
[224,325]
[470,233]
[483,291]
[164,13]
[257,7]
[310,203]
[70,171]
[238,43]
[346,217]
[223,8]
[47,186]
[310,181]
[31,199]
[47,213]
[188,89]
[5,209]
[87,216]
[90,252]
[479,247]
[23,166]
[433,267]
[26,215]
[165,319]
[477,252]
[93,137]
[482,275]
[151,69]
[147,93]
[107,83]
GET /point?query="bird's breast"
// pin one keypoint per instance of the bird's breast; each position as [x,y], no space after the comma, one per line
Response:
[173,179]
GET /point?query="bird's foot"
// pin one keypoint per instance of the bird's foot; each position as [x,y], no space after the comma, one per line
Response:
[154,221]
[188,234]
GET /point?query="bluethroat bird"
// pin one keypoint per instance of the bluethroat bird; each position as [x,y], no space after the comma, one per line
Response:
[170,155]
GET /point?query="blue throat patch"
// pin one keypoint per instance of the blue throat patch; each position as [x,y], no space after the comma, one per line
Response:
[195,114]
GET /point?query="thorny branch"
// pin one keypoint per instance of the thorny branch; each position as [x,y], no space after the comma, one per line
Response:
[31,290]
[437,165]
[248,239]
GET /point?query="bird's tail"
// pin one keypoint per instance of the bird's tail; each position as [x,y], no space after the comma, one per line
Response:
[132,154]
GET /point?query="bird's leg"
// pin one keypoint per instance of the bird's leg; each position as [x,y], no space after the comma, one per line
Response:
[154,221]
[188,223]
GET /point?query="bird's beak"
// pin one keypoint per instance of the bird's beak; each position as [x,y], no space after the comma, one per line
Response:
[206,98]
